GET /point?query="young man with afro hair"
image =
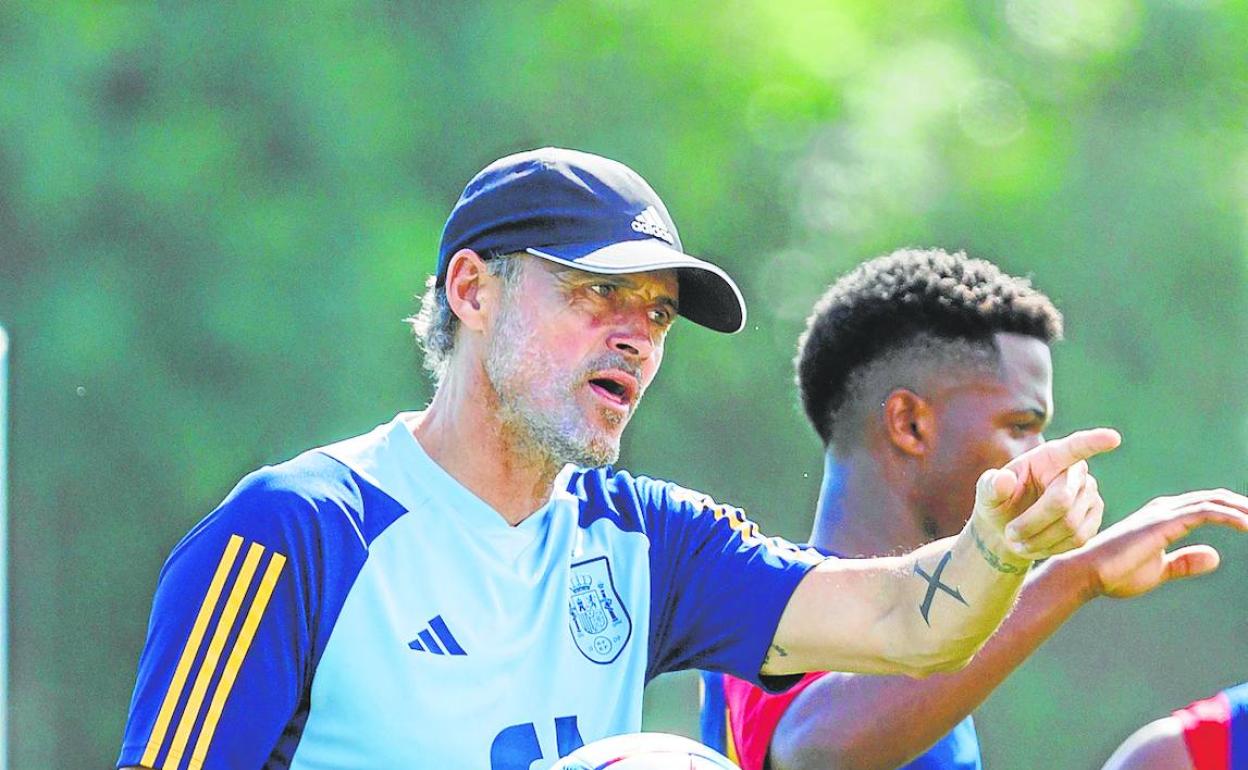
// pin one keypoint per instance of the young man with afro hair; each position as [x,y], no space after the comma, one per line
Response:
[920,370]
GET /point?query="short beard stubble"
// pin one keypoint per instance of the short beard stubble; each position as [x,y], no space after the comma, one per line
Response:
[537,405]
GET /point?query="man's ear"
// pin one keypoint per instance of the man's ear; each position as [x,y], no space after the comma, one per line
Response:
[909,422]
[466,275]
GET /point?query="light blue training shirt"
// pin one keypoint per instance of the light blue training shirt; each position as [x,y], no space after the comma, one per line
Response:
[357,607]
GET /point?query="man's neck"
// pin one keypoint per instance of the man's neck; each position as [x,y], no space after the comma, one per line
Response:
[461,432]
[863,508]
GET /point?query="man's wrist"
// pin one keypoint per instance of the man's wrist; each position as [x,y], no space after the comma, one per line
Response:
[1071,568]
[990,544]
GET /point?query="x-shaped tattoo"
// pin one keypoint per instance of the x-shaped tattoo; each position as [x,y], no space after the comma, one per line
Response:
[934,584]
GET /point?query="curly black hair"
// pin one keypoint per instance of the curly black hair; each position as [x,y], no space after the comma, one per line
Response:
[892,301]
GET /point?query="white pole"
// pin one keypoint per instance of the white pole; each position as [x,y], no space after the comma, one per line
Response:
[4,550]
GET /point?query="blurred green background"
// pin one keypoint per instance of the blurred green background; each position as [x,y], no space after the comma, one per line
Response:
[213,218]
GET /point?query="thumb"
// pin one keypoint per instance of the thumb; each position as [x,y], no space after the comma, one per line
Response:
[1190,561]
[995,487]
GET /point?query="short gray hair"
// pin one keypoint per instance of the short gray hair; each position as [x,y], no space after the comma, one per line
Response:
[435,323]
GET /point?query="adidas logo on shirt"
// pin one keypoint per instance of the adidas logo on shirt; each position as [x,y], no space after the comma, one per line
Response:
[425,641]
[650,223]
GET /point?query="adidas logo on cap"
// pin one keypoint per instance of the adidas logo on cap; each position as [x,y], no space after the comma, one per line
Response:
[650,223]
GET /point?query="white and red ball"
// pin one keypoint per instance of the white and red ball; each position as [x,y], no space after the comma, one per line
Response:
[645,751]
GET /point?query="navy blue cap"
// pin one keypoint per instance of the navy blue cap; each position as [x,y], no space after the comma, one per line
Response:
[590,213]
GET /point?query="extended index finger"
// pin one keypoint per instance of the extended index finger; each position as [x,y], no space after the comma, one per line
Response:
[1052,457]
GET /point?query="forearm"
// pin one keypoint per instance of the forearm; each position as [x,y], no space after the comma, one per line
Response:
[927,611]
[932,609]
[861,722]
[956,597]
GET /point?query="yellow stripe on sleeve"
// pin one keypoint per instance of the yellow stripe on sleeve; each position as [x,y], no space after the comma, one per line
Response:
[235,661]
[209,666]
[190,650]
[730,742]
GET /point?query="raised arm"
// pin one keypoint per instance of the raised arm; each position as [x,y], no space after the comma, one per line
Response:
[849,721]
[930,610]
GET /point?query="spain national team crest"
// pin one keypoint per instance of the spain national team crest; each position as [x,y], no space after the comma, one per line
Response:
[597,618]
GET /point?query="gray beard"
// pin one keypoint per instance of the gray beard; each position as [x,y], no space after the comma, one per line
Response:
[550,437]
[551,444]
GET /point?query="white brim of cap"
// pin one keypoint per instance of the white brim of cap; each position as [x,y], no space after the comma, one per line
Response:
[708,296]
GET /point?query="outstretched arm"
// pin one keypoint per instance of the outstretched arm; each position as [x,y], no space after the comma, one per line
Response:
[860,722]
[932,609]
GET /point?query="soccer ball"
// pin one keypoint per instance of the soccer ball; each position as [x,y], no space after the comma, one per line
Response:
[645,751]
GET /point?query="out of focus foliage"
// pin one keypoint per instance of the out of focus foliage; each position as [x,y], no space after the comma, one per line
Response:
[214,216]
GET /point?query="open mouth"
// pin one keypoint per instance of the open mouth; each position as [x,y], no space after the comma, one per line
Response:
[615,389]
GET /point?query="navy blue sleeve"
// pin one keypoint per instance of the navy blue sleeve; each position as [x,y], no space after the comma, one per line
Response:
[242,607]
[713,711]
[1237,697]
[718,586]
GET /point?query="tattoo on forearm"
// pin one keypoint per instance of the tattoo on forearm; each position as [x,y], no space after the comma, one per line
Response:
[934,585]
[776,651]
[993,560]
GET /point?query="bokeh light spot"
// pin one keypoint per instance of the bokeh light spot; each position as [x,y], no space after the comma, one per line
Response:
[1074,29]
[992,113]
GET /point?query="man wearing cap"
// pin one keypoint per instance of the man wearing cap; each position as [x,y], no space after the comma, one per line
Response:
[474,586]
